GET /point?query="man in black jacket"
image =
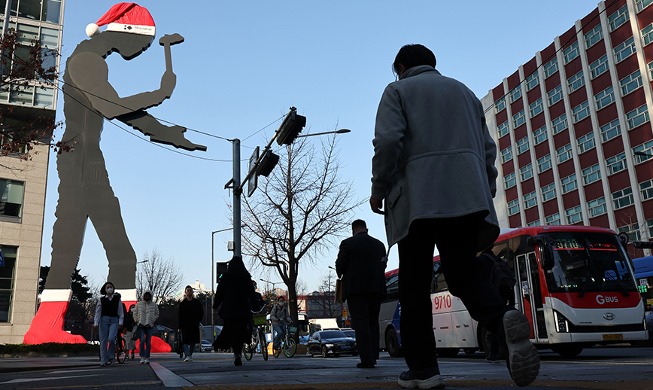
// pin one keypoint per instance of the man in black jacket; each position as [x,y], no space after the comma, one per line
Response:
[361,265]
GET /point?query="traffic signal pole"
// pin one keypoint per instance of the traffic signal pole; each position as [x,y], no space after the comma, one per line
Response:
[236,196]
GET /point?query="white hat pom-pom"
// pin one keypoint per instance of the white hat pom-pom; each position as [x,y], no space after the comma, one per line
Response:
[92,29]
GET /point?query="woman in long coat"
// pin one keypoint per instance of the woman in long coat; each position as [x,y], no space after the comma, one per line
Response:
[190,316]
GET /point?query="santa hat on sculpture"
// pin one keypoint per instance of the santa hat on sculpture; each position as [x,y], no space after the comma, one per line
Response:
[124,17]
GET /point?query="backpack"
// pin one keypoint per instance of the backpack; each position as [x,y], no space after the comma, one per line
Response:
[500,274]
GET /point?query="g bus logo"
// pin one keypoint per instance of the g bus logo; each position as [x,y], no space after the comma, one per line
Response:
[600,299]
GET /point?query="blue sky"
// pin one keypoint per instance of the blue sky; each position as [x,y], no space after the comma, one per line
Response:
[243,64]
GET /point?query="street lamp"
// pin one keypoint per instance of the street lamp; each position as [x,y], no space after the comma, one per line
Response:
[269,282]
[339,131]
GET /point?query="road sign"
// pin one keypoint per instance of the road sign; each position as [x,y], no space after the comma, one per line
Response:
[253,177]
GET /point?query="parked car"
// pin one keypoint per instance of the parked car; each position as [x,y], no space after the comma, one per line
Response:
[331,342]
[206,346]
[349,332]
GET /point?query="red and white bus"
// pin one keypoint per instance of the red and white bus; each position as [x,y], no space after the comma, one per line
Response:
[575,285]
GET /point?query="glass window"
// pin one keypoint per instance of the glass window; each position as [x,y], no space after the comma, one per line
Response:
[555,95]
[518,119]
[506,154]
[647,34]
[570,52]
[536,107]
[27,34]
[599,66]
[597,207]
[22,95]
[526,172]
[610,130]
[576,81]
[544,163]
[51,11]
[591,174]
[503,129]
[630,82]
[513,207]
[44,97]
[551,67]
[585,142]
[604,98]
[581,111]
[574,215]
[569,183]
[641,4]
[29,9]
[593,36]
[500,104]
[548,192]
[624,49]
[637,117]
[522,145]
[643,152]
[649,224]
[632,231]
[11,198]
[515,94]
[559,124]
[616,163]
[540,135]
[564,153]
[650,69]
[532,81]
[7,281]
[530,200]
[646,187]
[534,223]
[623,198]
[510,180]
[553,219]
[618,18]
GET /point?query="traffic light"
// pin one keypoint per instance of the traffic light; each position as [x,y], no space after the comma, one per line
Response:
[292,125]
[267,163]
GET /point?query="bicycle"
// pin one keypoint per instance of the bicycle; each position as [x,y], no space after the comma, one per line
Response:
[121,352]
[288,343]
[258,341]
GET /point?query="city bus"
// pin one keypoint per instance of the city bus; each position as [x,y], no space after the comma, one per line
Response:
[575,285]
[644,279]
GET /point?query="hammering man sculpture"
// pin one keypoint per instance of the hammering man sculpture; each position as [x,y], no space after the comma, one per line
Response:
[84,189]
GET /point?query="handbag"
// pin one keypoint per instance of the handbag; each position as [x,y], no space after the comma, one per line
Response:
[339,291]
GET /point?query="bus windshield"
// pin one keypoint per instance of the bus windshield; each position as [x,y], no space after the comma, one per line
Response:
[586,262]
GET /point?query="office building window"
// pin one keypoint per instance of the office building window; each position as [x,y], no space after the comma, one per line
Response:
[624,50]
[555,95]
[630,82]
[649,225]
[645,151]
[532,81]
[559,124]
[597,207]
[591,174]
[616,163]
[593,36]
[506,154]
[536,107]
[618,18]
[534,223]
[623,198]
[641,4]
[637,117]
[515,94]
[575,82]
[632,231]
[581,111]
[610,130]
[544,163]
[564,153]
[530,200]
[570,52]
[522,145]
[510,180]
[518,119]
[513,207]
[646,188]
[604,98]
[553,219]
[548,192]
[500,104]
[647,34]
[7,281]
[503,129]
[540,135]
[526,172]
[599,66]
[574,215]
[569,183]
[551,67]
[11,198]
[585,142]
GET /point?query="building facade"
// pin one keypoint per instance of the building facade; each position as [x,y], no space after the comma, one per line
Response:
[573,126]
[23,181]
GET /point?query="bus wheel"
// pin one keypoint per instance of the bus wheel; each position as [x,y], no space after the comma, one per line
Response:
[567,350]
[392,343]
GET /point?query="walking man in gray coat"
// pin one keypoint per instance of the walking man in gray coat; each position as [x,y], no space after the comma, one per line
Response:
[433,177]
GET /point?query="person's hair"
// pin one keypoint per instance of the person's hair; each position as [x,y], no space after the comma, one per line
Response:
[236,269]
[413,55]
[358,224]
[281,298]
[103,290]
[187,287]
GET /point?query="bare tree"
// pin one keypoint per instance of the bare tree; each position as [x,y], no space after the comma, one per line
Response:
[302,209]
[328,304]
[160,276]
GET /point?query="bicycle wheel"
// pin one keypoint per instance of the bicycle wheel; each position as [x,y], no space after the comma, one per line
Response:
[264,349]
[248,351]
[121,355]
[290,347]
[276,352]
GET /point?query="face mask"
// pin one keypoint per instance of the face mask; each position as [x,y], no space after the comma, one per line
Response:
[109,290]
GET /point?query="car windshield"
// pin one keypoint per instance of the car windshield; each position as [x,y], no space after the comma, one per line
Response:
[349,333]
[332,334]
[584,262]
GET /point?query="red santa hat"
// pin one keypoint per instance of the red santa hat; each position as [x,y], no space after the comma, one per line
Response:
[124,17]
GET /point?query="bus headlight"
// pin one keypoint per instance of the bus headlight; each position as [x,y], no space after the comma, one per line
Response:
[562,325]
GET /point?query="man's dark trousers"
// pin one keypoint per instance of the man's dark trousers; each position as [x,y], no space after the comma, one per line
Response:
[364,310]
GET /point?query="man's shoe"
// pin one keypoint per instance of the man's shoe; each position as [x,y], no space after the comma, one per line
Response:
[523,360]
[428,378]
[186,359]
[365,365]
[147,361]
[142,360]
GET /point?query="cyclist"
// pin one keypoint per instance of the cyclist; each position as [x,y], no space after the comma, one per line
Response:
[279,316]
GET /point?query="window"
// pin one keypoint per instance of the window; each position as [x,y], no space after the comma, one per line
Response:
[553,219]
[564,153]
[510,180]
[536,107]
[575,82]
[11,198]
[616,163]
[548,192]
[500,104]
[534,223]
[569,183]
[551,67]
[649,224]
[532,81]
[585,142]
[597,207]
[518,119]
[526,172]
[645,150]
[646,188]
[570,52]
[540,135]
[593,36]
[618,18]
[623,198]
[555,95]
[503,129]
[530,200]
[7,281]
[522,145]
[513,207]
[604,98]
[610,130]
[650,69]
[637,117]
[641,4]
[506,154]
[581,111]
[624,49]
[574,215]
[515,94]
[630,82]
[591,174]
[559,124]
[632,231]
[599,66]
[647,34]
[544,163]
